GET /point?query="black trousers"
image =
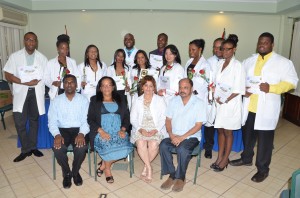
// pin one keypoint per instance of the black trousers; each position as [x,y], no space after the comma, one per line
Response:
[209,135]
[265,139]
[30,112]
[69,135]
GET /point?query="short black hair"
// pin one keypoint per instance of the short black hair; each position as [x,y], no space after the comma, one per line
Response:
[164,35]
[69,76]
[269,35]
[30,33]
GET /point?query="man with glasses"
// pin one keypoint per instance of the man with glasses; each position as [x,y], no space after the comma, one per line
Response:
[67,121]
[184,117]
[209,130]
[25,69]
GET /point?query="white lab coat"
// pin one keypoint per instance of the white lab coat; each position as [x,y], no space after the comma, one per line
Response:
[200,85]
[211,110]
[275,70]
[92,78]
[229,115]
[130,59]
[53,73]
[157,108]
[16,60]
[175,75]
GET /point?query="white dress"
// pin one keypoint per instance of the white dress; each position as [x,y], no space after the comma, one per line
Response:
[229,115]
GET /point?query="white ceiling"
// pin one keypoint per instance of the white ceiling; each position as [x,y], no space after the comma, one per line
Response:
[245,6]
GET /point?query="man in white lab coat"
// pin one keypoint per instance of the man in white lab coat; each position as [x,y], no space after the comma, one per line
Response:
[25,69]
[129,49]
[209,130]
[268,76]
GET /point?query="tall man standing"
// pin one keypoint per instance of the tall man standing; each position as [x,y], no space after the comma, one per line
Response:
[28,92]
[209,130]
[129,49]
[268,76]
[184,117]
[68,125]
[156,56]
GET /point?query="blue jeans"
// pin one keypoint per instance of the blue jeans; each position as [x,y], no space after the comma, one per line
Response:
[184,151]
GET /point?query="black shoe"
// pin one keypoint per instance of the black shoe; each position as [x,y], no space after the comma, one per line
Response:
[219,169]
[213,165]
[239,162]
[21,157]
[67,183]
[208,154]
[259,177]
[37,153]
[77,180]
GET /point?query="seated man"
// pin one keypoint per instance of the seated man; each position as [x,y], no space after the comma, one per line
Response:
[184,117]
[68,124]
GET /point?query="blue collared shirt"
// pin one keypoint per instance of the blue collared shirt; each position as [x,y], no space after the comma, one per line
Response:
[184,117]
[64,113]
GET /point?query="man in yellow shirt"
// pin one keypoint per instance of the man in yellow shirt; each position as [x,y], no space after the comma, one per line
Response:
[268,76]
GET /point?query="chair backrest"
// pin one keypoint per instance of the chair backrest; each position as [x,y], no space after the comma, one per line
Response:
[4,85]
[295,189]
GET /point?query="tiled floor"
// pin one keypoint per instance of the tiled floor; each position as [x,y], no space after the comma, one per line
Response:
[33,176]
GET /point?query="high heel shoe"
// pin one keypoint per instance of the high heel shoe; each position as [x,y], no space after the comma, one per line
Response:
[219,169]
[213,165]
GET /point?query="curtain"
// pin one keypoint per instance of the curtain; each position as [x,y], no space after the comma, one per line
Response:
[11,40]
[295,51]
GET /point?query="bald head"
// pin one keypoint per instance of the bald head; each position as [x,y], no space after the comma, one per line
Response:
[129,41]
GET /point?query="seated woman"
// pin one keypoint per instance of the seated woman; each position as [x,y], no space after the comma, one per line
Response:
[108,118]
[148,124]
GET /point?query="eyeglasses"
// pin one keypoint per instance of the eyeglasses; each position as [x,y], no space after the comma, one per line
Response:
[30,40]
[217,48]
[226,49]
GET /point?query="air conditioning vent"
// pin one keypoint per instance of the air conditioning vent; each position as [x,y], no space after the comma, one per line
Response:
[13,17]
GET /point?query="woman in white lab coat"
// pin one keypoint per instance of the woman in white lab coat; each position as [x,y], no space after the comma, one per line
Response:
[59,66]
[119,71]
[91,71]
[170,74]
[147,117]
[230,86]
[197,69]
[141,61]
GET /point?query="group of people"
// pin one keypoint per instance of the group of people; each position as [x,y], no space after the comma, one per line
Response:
[153,102]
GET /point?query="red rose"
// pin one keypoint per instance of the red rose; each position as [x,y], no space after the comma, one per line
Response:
[176,94]
[169,67]
[193,71]
[202,71]
[123,73]
[67,71]
[58,77]
[136,78]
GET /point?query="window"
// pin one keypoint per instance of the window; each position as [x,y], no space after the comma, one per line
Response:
[11,40]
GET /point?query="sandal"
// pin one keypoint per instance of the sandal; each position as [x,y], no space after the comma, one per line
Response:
[110,179]
[99,171]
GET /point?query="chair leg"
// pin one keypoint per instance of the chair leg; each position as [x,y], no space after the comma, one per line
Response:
[197,166]
[2,119]
[95,164]
[54,166]
[89,160]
